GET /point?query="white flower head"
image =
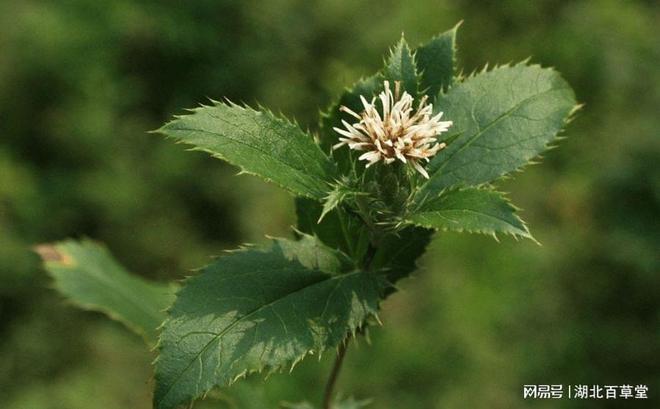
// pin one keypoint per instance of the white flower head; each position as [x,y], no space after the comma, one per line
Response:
[401,132]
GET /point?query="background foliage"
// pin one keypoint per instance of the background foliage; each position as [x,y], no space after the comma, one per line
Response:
[81,82]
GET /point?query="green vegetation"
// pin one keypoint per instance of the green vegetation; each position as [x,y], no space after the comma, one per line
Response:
[81,82]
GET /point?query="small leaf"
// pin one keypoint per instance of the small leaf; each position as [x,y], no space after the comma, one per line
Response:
[400,66]
[333,199]
[257,309]
[330,202]
[472,210]
[87,274]
[503,118]
[341,191]
[436,62]
[259,143]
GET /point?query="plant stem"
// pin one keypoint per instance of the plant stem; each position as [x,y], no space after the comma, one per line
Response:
[330,386]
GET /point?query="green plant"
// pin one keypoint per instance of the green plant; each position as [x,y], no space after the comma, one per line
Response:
[429,167]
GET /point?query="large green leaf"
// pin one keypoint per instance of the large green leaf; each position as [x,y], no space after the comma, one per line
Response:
[258,309]
[400,67]
[472,210]
[87,274]
[502,119]
[435,62]
[259,143]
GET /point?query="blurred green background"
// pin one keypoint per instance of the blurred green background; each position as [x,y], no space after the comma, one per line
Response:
[82,81]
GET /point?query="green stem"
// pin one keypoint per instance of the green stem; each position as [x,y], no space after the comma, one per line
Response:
[332,380]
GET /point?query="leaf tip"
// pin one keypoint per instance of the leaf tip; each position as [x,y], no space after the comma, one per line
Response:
[50,253]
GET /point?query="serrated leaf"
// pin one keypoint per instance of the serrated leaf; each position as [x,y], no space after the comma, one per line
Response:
[436,62]
[87,274]
[259,143]
[350,98]
[471,210]
[400,66]
[502,119]
[330,202]
[340,191]
[257,309]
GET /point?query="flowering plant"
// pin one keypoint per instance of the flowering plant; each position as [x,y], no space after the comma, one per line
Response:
[396,134]
[434,141]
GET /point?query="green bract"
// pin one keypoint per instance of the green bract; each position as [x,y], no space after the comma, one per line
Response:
[359,230]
